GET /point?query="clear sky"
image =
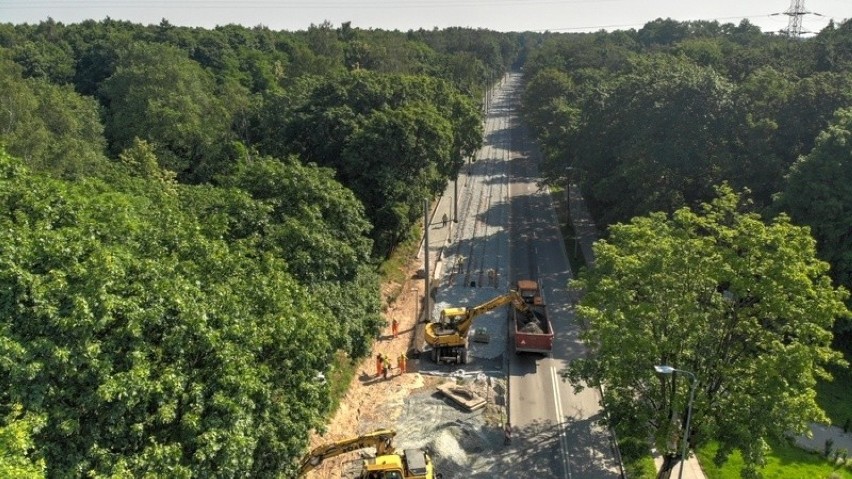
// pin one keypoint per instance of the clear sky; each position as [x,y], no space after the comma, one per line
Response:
[501,15]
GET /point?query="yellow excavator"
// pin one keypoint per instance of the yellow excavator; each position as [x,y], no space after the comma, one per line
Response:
[448,336]
[387,464]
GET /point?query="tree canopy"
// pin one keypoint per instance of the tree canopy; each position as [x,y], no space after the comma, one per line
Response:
[819,194]
[744,305]
[192,220]
[151,340]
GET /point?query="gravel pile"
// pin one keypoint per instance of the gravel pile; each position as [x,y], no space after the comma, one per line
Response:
[459,442]
[533,327]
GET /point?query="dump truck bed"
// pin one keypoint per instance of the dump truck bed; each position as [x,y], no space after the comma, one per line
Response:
[533,333]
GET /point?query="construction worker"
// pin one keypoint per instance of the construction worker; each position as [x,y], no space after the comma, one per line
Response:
[401,363]
[386,364]
[395,327]
[378,364]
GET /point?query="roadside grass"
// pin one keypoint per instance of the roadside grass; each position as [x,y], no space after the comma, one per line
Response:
[393,270]
[636,457]
[833,396]
[783,461]
[342,371]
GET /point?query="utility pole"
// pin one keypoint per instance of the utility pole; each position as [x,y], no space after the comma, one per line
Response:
[426,264]
[456,199]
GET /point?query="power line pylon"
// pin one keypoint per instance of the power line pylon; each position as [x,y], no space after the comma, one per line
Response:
[795,12]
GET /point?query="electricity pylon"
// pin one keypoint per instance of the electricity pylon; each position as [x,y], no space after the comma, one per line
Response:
[795,12]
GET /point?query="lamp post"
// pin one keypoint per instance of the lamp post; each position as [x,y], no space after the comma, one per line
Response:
[670,370]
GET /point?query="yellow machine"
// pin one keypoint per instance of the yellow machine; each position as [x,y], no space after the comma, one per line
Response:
[448,336]
[387,464]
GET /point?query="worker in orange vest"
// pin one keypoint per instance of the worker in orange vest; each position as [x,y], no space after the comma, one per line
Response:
[395,327]
[378,364]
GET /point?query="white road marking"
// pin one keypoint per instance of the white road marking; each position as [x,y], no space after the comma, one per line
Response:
[560,422]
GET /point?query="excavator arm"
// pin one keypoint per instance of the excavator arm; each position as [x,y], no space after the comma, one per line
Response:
[382,440]
[511,297]
[457,321]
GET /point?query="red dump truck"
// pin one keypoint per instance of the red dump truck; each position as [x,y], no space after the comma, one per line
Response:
[533,331]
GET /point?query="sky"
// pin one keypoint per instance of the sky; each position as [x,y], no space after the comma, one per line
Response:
[500,15]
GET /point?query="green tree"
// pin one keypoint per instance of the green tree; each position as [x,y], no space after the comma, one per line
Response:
[811,104]
[149,347]
[819,194]
[392,139]
[655,139]
[395,160]
[755,163]
[551,108]
[315,224]
[16,445]
[744,305]
[833,47]
[159,95]
[47,60]
[54,129]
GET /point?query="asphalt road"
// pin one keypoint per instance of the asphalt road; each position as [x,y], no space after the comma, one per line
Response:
[557,430]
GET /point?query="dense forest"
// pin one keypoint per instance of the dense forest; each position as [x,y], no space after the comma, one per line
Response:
[655,119]
[717,162]
[192,223]
[193,218]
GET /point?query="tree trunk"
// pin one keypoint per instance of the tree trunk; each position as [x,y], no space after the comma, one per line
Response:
[670,461]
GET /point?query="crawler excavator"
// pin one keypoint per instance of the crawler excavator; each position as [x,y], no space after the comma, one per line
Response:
[387,464]
[448,336]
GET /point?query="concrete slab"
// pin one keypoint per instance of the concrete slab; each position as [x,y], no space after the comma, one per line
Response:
[462,396]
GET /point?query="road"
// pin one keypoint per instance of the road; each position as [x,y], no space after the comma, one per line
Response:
[507,229]
[558,430]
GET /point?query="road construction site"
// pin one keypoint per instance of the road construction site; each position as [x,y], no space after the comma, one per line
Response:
[469,262]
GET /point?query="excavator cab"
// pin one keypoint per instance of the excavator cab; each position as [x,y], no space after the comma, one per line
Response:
[530,291]
[452,316]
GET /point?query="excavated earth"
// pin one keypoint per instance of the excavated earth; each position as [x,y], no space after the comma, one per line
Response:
[461,443]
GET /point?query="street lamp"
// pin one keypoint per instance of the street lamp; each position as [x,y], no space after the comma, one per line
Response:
[670,370]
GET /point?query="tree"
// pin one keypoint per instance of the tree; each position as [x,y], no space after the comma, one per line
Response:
[150,346]
[550,108]
[663,32]
[16,444]
[159,95]
[819,194]
[315,224]
[396,160]
[744,305]
[656,139]
[392,139]
[755,164]
[54,129]
[808,111]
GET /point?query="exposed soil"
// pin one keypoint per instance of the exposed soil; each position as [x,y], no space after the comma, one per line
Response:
[409,403]
[365,407]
